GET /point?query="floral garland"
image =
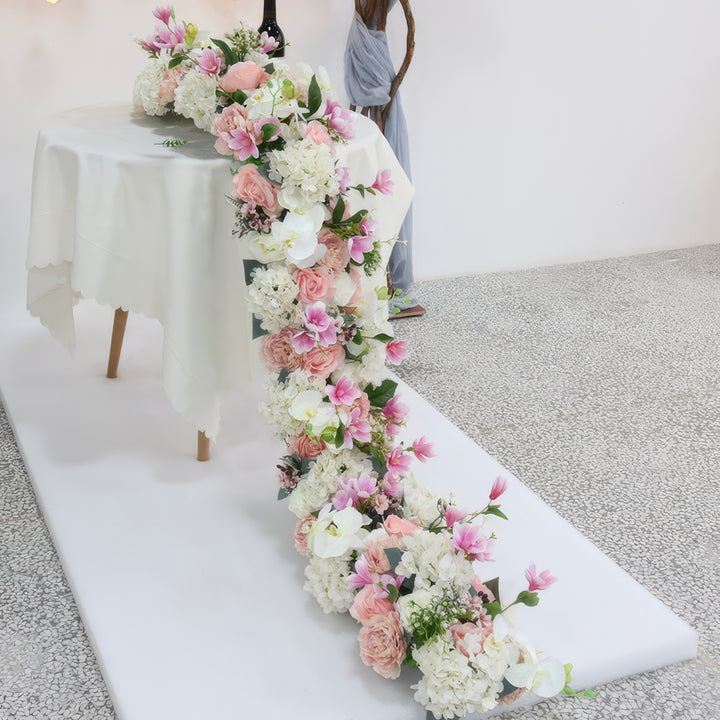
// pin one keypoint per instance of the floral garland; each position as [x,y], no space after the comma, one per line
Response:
[379,544]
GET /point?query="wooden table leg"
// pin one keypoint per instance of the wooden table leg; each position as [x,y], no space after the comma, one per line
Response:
[118,332]
[203,453]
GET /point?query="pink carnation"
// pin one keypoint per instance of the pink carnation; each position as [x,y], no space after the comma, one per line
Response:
[277,351]
[233,117]
[400,526]
[317,134]
[336,255]
[382,644]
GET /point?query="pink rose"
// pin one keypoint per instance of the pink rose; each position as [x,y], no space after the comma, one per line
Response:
[306,447]
[301,533]
[400,526]
[321,362]
[243,76]
[367,605]
[277,351]
[233,117]
[314,284]
[336,255]
[318,134]
[382,645]
[375,556]
[251,186]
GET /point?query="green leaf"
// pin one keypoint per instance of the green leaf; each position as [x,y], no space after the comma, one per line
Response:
[528,598]
[340,436]
[250,265]
[257,329]
[268,130]
[328,434]
[495,510]
[408,585]
[175,61]
[507,689]
[394,556]
[494,587]
[382,337]
[283,493]
[357,217]
[393,592]
[269,68]
[338,211]
[493,608]
[380,395]
[230,57]
[239,97]
[283,376]
[314,97]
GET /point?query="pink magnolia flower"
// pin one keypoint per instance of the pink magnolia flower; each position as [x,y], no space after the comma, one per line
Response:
[167,38]
[268,43]
[163,13]
[472,542]
[383,184]
[209,62]
[243,144]
[498,488]
[303,342]
[394,410]
[340,119]
[343,174]
[398,461]
[352,488]
[361,577]
[453,515]
[358,245]
[423,449]
[382,587]
[345,392]
[391,485]
[356,429]
[538,581]
[149,44]
[231,118]
[367,227]
[396,351]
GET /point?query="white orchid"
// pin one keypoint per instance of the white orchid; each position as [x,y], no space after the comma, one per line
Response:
[309,407]
[297,234]
[543,677]
[336,532]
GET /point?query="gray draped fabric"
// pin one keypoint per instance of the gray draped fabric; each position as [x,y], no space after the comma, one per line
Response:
[369,73]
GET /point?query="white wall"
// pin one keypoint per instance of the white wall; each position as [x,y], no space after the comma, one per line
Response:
[542,131]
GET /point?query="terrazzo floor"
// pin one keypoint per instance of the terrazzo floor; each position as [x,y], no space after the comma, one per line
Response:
[595,383]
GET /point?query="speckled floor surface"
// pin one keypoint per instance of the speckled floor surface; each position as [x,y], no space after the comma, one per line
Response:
[596,384]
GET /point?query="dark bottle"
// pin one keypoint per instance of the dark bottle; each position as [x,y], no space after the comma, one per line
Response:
[270,26]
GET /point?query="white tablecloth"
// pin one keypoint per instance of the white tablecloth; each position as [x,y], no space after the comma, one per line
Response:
[119,218]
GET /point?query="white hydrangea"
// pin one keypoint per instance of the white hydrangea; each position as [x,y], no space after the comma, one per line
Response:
[306,173]
[419,501]
[435,563]
[325,581]
[450,686]
[279,398]
[321,483]
[271,297]
[195,98]
[371,367]
[147,83]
